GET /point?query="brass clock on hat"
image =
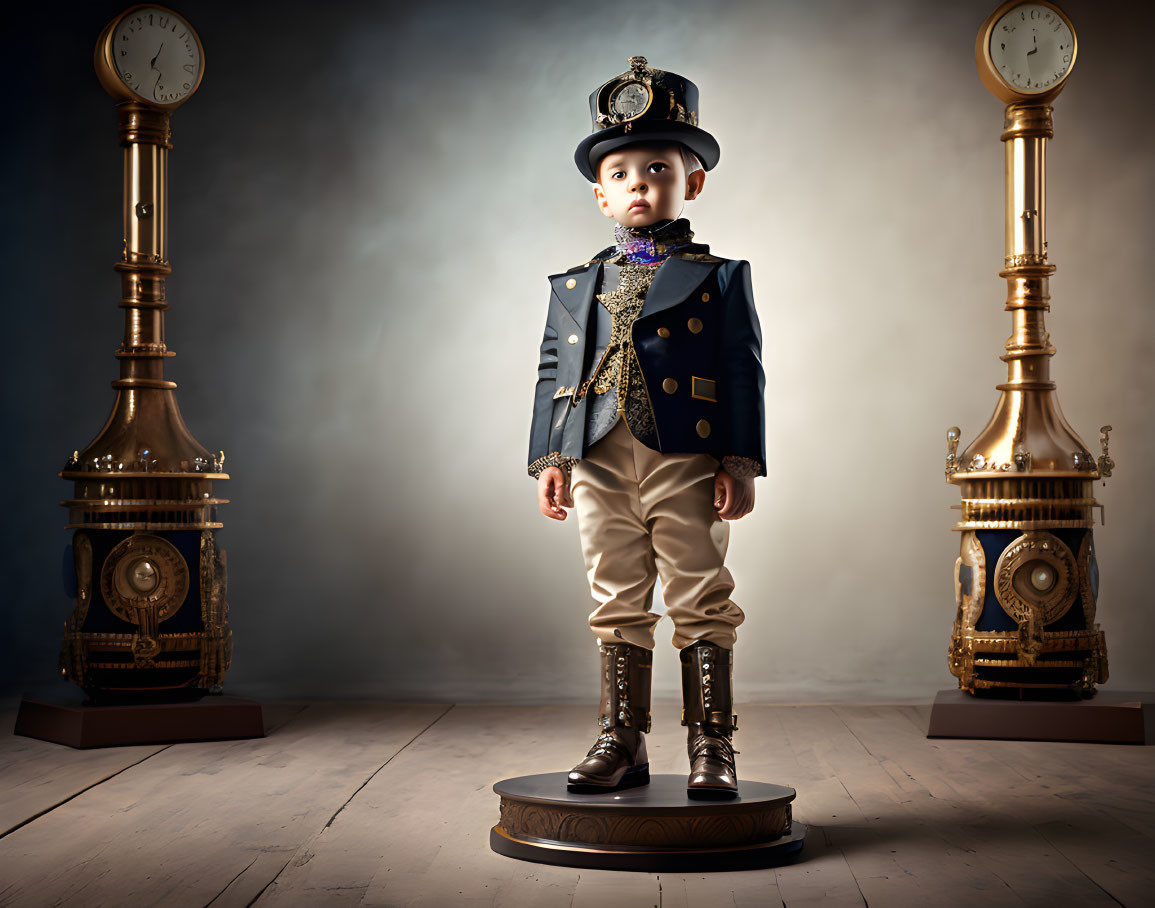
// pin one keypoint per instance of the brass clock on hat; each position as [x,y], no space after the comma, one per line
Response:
[1027,580]
[150,612]
[630,100]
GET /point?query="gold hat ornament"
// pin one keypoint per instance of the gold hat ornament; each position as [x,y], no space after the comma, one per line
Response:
[644,105]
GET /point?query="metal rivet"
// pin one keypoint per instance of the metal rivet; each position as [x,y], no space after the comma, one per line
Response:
[703,428]
[705,297]
[663,332]
[573,338]
[571,283]
[695,325]
[669,385]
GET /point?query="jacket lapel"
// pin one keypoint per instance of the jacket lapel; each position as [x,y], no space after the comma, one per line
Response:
[578,298]
[676,279]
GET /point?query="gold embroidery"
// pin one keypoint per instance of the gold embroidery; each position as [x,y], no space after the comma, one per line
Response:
[619,366]
[553,459]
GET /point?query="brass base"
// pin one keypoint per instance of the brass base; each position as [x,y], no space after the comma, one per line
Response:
[1110,717]
[65,719]
[651,828]
[1073,661]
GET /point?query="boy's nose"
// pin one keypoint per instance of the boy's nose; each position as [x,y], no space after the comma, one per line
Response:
[638,186]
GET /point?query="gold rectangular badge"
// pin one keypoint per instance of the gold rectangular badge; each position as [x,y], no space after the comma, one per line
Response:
[562,392]
[703,389]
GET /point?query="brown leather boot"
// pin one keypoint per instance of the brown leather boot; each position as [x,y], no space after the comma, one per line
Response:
[707,713]
[618,758]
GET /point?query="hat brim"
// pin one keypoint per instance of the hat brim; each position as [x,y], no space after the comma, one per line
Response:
[596,146]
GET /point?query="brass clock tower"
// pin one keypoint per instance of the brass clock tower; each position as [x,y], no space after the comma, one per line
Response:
[150,611]
[1026,580]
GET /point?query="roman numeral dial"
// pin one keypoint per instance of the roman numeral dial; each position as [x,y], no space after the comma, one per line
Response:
[151,55]
[1025,51]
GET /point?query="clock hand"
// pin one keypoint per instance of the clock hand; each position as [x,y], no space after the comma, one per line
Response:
[1035,51]
[159,74]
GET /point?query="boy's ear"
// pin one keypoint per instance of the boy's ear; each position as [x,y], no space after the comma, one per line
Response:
[603,202]
[694,184]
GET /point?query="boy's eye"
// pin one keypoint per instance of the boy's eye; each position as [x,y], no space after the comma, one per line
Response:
[618,174]
[657,167]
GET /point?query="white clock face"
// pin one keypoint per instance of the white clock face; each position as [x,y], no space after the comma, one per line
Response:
[630,100]
[1032,48]
[156,55]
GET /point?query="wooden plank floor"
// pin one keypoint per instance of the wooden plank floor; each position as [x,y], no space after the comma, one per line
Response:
[390,804]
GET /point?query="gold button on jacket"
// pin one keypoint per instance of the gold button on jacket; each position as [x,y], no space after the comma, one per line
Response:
[663,332]
[669,385]
[703,428]
[695,325]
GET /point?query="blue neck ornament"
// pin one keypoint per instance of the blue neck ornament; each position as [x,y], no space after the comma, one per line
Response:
[652,245]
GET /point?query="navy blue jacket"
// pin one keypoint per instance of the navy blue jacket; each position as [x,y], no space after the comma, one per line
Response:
[697,326]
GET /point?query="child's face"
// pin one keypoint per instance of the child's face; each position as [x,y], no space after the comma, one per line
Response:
[640,185]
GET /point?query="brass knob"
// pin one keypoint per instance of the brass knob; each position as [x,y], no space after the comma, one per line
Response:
[669,385]
[705,297]
[703,428]
[663,332]
[695,325]
[571,283]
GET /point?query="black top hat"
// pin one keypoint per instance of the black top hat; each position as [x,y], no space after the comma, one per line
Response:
[644,105]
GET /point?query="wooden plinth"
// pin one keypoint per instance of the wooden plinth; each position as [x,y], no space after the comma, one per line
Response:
[652,827]
[1109,717]
[64,719]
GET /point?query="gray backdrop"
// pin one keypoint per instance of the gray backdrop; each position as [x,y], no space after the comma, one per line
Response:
[366,200]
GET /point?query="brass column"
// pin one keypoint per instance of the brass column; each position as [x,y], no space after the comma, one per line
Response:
[150,611]
[1026,579]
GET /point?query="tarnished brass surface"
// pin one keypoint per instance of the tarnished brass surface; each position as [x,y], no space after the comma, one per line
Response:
[1028,470]
[119,655]
[144,580]
[145,435]
[216,650]
[144,473]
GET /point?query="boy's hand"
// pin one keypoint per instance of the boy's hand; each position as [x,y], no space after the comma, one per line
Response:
[553,493]
[733,498]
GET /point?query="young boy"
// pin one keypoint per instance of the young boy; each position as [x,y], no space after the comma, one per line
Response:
[648,421]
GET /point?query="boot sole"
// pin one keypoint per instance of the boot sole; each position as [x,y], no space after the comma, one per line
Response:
[711,794]
[634,777]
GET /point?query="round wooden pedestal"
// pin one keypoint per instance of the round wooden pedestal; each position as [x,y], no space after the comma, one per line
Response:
[653,827]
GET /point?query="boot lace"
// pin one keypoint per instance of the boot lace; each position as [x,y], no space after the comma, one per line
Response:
[713,746]
[606,742]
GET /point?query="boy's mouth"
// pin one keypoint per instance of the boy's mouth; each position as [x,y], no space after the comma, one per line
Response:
[639,203]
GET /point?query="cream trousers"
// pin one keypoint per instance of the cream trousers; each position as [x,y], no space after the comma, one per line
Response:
[643,515]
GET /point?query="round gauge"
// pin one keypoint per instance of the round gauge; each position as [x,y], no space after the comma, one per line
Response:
[153,53]
[144,572]
[630,100]
[1036,576]
[1025,51]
